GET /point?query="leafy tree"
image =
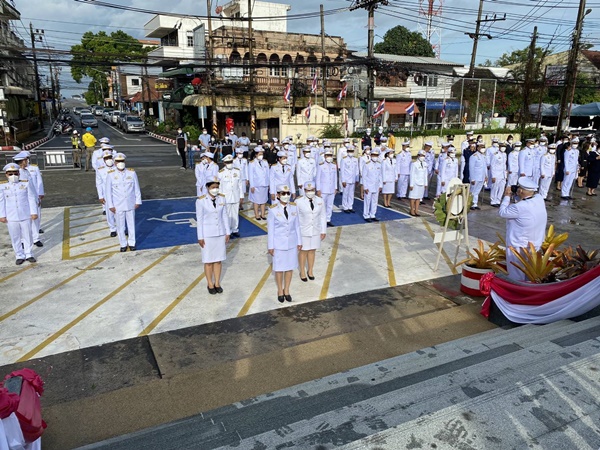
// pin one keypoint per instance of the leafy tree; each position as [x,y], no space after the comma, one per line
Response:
[401,41]
[586,91]
[518,59]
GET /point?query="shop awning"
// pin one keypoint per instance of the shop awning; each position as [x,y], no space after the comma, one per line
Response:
[399,107]
[439,105]
[176,72]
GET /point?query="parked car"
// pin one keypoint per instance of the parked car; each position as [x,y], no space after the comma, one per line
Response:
[88,120]
[77,110]
[121,119]
[114,116]
[107,114]
[85,111]
[98,111]
[134,124]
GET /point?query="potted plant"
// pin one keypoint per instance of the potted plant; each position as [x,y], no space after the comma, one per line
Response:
[478,263]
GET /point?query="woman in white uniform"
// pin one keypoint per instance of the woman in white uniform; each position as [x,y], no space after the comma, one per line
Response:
[417,183]
[389,177]
[284,241]
[213,233]
[313,228]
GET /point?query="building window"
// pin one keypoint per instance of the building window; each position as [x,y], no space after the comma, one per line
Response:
[276,65]
[170,40]
[313,72]
[135,81]
[190,39]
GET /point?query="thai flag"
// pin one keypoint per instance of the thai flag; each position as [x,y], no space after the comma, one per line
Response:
[380,108]
[287,93]
[307,112]
[410,109]
[313,88]
[443,113]
[343,92]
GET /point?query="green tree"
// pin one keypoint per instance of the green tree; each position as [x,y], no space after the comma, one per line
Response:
[586,91]
[401,41]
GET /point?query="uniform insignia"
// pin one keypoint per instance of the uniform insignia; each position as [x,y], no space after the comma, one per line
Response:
[101,167]
[33,165]
[293,203]
[24,181]
[198,162]
[201,197]
[321,163]
[111,171]
[131,170]
[300,196]
[222,170]
[4,182]
[236,168]
[274,205]
[221,195]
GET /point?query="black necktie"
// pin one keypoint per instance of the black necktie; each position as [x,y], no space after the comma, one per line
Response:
[285,212]
[312,205]
[214,200]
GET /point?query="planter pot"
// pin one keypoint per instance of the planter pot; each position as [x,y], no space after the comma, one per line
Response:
[469,280]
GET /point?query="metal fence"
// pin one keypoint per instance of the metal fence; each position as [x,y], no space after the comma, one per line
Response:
[45,159]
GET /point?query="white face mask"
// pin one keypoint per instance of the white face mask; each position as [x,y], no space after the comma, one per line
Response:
[552,151]
[421,158]
[179,131]
[109,163]
[368,152]
[213,191]
[286,146]
[310,194]
[510,141]
[205,132]
[229,165]
[240,155]
[307,155]
[502,149]
[283,161]
[13,178]
[259,157]
[285,198]
[495,145]
[351,154]
[368,132]
[482,150]
[517,149]
[574,145]
[120,165]
[374,158]
[329,159]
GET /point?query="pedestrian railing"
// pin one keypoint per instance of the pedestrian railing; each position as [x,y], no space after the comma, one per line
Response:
[58,159]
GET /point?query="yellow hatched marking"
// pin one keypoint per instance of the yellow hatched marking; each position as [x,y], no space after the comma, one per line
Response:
[259,224]
[14,274]
[66,234]
[27,356]
[328,273]
[255,292]
[86,224]
[88,232]
[92,241]
[388,256]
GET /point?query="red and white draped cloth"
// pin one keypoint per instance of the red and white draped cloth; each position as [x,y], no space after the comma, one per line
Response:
[542,303]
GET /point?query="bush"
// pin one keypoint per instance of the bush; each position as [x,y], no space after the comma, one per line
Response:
[193,132]
[331,132]
[161,128]
[529,133]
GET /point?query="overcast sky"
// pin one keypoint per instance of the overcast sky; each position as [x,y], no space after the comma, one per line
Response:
[65,20]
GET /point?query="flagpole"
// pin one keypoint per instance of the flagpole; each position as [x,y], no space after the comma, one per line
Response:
[444,109]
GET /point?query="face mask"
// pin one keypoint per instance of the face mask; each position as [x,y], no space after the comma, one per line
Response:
[368,152]
[552,151]
[213,191]
[329,159]
[421,158]
[13,178]
[229,165]
[259,157]
[285,198]
[450,155]
[510,141]
[574,145]
[374,158]
[240,155]
[495,145]
[212,139]
[350,153]
[286,146]
[204,132]
[368,133]
[120,165]
[283,161]
[502,149]
[109,163]
[310,194]
[517,149]
[482,150]
[307,155]
[179,131]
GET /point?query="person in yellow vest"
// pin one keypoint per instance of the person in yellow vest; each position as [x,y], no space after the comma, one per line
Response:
[89,141]
[391,143]
[75,142]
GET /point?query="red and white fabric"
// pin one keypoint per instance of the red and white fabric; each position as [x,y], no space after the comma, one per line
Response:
[542,303]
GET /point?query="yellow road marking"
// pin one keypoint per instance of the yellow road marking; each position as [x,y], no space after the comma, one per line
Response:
[52,289]
[86,224]
[27,356]
[152,325]
[92,241]
[255,292]
[96,251]
[254,221]
[14,274]
[327,279]
[88,232]
[66,234]
[388,256]
[85,216]
[444,254]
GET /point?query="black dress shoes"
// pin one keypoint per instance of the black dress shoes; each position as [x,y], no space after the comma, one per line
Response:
[211,291]
[31,259]
[281,298]
[18,262]
[38,244]
[113,234]
[219,289]
[288,298]
[132,249]
[123,249]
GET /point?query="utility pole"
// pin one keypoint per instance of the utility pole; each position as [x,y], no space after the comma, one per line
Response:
[213,98]
[570,80]
[323,66]
[475,36]
[37,75]
[527,81]
[252,69]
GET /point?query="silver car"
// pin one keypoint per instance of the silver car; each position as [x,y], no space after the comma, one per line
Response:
[133,124]
[98,111]
[88,120]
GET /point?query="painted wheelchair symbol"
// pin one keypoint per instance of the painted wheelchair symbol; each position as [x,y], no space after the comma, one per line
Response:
[178,218]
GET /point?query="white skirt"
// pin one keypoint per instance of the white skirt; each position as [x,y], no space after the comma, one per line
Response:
[260,195]
[311,242]
[214,249]
[417,192]
[284,260]
[389,187]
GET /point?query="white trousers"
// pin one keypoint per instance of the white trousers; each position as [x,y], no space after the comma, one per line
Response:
[370,204]
[200,191]
[497,191]
[545,186]
[489,179]
[567,183]
[402,186]
[429,178]
[110,220]
[20,236]
[328,199]
[126,217]
[348,196]
[476,190]
[233,212]
[438,189]
[35,224]
[513,178]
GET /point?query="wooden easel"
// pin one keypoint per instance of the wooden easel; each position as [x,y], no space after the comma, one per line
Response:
[456,194]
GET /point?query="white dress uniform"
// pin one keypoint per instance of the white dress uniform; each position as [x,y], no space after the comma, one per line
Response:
[230,187]
[35,177]
[513,167]
[418,179]
[489,152]
[403,161]
[341,153]
[348,175]
[388,176]
[306,170]
[448,170]
[430,160]
[203,172]
[478,174]
[292,153]
[571,161]
[547,171]
[372,182]
[212,227]
[438,164]
[122,192]
[313,221]
[18,202]
[538,152]
[242,165]
[326,182]
[280,174]
[283,236]
[101,174]
[498,172]
[98,158]
[526,223]
[258,175]
[361,165]
[526,162]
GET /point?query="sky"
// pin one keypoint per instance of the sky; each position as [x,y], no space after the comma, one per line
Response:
[64,21]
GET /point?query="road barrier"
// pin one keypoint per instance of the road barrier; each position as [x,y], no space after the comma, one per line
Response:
[35,144]
[162,138]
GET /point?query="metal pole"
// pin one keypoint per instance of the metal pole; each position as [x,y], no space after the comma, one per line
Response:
[324,67]
[426,97]
[213,98]
[37,77]
[251,63]
[371,72]
[477,106]
[462,91]
[494,99]
[475,39]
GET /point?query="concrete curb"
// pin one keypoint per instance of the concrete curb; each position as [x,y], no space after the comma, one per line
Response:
[162,138]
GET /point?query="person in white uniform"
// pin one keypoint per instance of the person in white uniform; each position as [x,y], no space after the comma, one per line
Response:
[213,232]
[313,228]
[102,170]
[498,174]
[373,184]
[280,173]
[389,177]
[365,158]
[539,150]
[547,170]
[571,163]
[230,180]
[123,196]
[98,155]
[438,164]
[258,178]
[465,144]
[34,175]
[430,160]
[241,163]
[526,158]
[418,182]
[489,152]
[477,174]
[18,208]
[306,169]
[448,169]
[349,177]
[327,182]
[284,241]
[513,165]
[342,151]
[403,161]
[205,169]
[525,222]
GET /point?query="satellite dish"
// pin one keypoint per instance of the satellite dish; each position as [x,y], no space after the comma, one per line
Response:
[457,204]
[188,89]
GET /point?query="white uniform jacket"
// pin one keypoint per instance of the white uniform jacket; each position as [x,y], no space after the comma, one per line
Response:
[204,172]
[36,178]
[211,221]
[388,171]
[101,174]
[448,170]
[280,174]
[242,165]
[258,173]
[306,170]
[526,161]
[372,176]
[513,162]
[327,180]
[122,190]
[571,159]
[527,221]
[230,184]
[548,165]
[313,222]
[418,174]
[282,233]
[17,201]
[403,160]
[498,165]
[477,167]
[349,169]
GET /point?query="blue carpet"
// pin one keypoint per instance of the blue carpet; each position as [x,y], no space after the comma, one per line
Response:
[342,219]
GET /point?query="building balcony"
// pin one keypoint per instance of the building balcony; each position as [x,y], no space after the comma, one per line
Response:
[172,56]
[8,11]
[160,26]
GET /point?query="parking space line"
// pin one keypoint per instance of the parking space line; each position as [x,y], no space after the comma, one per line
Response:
[388,256]
[93,308]
[89,223]
[330,264]
[444,254]
[14,274]
[84,216]
[52,289]
[88,232]
[96,252]
[255,292]
[66,242]
[92,241]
